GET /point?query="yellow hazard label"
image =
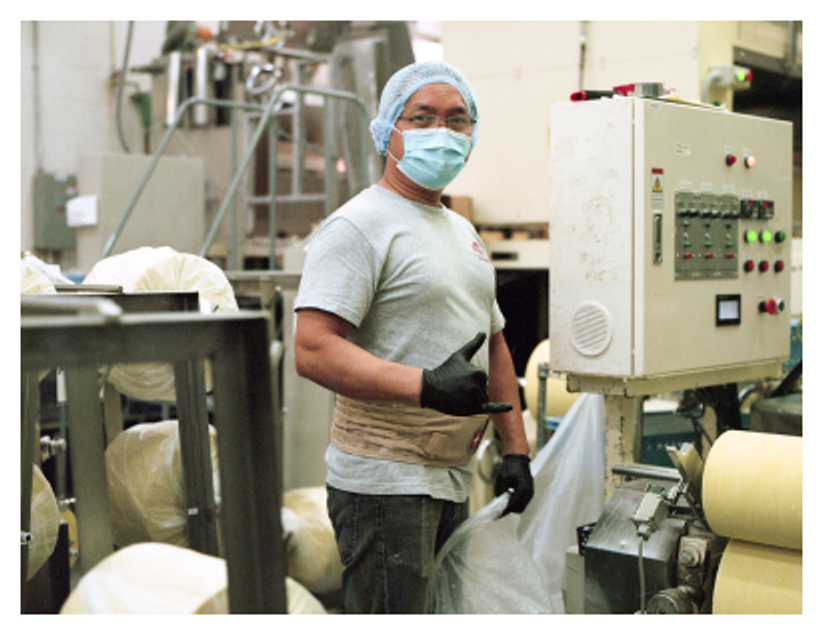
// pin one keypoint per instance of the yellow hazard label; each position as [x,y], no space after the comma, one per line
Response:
[657,184]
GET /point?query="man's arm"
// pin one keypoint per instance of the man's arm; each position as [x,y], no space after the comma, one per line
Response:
[514,473]
[325,356]
[503,388]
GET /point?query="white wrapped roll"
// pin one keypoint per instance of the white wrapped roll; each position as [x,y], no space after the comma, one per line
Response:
[313,557]
[125,268]
[33,281]
[45,521]
[150,269]
[145,484]
[165,579]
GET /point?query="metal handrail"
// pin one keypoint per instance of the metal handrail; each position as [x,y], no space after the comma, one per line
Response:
[267,112]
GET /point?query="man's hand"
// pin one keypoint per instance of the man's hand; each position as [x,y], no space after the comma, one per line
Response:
[459,388]
[515,475]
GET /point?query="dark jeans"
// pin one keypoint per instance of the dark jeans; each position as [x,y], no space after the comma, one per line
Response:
[388,544]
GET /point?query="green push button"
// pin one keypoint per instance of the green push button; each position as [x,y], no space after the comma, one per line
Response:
[781,236]
[766,236]
[751,236]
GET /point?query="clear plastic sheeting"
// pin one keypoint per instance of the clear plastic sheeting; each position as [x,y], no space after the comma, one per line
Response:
[166,579]
[484,569]
[145,484]
[33,280]
[569,491]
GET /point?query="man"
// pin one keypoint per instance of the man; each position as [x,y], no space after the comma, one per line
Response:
[393,284]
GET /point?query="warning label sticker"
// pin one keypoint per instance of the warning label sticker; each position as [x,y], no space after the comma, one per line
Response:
[657,188]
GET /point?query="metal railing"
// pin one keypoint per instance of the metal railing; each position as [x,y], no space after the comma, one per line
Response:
[267,113]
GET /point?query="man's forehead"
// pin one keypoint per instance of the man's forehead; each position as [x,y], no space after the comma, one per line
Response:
[436,95]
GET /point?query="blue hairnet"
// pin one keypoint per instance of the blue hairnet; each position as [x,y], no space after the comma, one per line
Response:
[404,83]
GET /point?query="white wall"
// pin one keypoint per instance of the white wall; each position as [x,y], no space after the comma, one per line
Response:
[519,69]
[75,62]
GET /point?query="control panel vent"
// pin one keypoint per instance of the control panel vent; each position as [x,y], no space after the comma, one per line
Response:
[591,329]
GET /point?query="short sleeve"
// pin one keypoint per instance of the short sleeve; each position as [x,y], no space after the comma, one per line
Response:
[340,275]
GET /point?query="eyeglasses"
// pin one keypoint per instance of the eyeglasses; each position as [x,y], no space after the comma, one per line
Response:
[457,123]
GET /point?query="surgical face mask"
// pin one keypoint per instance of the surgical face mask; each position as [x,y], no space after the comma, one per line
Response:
[433,157]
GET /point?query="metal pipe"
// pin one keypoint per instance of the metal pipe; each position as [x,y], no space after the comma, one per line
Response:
[273,143]
[646,471]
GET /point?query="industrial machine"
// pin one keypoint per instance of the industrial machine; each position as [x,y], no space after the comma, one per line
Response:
[671,260]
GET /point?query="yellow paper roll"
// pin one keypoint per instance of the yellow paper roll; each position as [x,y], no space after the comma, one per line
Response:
[559,400]
[752,488]
[758,579]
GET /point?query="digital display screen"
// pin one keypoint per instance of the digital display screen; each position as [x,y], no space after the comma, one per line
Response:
[728,310]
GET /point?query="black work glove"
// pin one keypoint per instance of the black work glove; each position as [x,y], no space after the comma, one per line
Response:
[515,474]
[459,388]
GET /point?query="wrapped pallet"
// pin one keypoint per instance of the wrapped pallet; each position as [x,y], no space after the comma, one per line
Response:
[154,269]
[313,557]
[165,579]
[145,484]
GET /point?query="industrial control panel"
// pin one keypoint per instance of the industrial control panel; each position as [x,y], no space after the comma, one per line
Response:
[670,239]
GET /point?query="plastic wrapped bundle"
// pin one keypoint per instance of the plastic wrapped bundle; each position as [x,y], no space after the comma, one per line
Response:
[32,280]
[484,569]
[145,484]
[45,521]
[313,558]
[150,269]
[165,579]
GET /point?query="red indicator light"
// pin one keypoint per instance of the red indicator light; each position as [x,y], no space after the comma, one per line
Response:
[730,256]
[730,159]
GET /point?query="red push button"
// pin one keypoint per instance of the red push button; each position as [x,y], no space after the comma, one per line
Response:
[768,306]
[764,266]
[778,266]
[749,266]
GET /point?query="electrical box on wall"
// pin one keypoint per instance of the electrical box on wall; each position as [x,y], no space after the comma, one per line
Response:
[671,250]
[51,195]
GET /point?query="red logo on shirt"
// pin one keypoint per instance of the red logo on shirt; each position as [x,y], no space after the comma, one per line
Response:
[478,250]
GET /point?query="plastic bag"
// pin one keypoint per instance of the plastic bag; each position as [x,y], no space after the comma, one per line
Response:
[569,491]
[484,569]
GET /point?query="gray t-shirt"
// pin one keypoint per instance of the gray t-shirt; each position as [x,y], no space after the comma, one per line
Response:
[416,283]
